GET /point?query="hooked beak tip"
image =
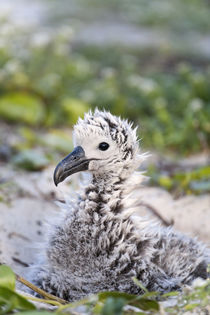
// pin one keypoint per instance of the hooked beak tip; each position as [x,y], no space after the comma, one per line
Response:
[57,174]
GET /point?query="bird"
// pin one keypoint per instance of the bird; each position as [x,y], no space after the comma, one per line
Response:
[99,242]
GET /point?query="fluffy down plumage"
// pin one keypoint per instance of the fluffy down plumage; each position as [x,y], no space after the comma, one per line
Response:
[98,243]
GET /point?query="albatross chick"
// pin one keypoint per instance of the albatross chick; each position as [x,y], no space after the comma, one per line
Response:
[99,243]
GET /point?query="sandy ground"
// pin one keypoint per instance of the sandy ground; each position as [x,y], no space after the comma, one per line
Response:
[29,202]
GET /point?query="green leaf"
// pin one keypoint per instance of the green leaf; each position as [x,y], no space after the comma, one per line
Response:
[115,294]
[190,307]
[22,107]
[12,300]
[150,294]
[34,313]
[7,277]
[74,108]
[29,135]
[31,160]
[139,284]
[97,308]
[113,306]
[165,181]
[174,293]
[146,304]
[131,299]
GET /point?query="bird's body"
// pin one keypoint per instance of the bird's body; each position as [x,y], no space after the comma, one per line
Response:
[99,243]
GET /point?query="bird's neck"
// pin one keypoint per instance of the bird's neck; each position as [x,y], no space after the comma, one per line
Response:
[108,193]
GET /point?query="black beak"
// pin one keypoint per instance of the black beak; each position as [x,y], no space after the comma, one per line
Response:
[75,162]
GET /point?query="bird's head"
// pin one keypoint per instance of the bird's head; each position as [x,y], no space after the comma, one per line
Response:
[104,144]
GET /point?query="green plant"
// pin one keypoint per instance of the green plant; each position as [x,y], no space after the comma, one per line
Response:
[105,303]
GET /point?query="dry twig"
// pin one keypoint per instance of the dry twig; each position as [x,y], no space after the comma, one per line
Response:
[43,293]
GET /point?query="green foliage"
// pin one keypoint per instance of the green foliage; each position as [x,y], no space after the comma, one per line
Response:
[195,181]
[41,312]
[22,107]
[9,299]
[170,105]
[31,160]
[113,306]
[73,108]
[144,302]
[7,277]
[105,303]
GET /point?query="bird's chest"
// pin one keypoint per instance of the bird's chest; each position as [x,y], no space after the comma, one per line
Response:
[85,248]
[91,257]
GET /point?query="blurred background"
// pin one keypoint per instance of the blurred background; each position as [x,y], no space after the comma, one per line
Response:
[147,61]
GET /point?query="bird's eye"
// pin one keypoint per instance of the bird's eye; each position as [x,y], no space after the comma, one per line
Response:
[103,146]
